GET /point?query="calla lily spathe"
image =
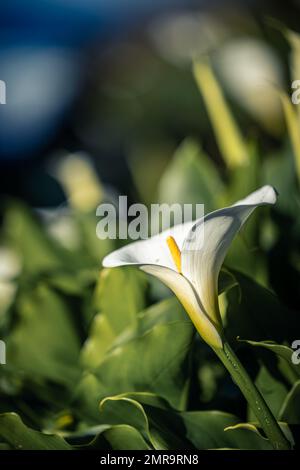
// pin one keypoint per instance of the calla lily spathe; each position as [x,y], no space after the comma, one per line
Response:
[188,258]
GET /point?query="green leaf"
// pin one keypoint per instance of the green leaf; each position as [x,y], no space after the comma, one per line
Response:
[272,389]
[206,429]
[155,362]
[15,433]
[167,311]
[167,429]
[119,296]
[279,349]
[25,233]
[191,178]
[255,312]
[290,410]
[262,442]
[230,140]
[123,409]
[100,340]
[119,437]
[44,343]
[284,355]
[163,312]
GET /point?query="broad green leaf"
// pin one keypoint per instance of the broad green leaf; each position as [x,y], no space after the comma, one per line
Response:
[143,398]
[20,437]
[290,410]
[262,442]
[44,343]
[100,340]
[119,437]
[24,232]
[272,389]
[283,353]
[163,312]
[124,409]
[167,429]
[167,311]
[87,395]
[155,362]
[206,429]
[119,296]
[191,178]
[255,312]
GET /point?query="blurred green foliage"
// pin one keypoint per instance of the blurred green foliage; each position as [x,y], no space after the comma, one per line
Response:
[111,361]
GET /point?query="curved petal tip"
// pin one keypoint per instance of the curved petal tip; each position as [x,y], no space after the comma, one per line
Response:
[265,195]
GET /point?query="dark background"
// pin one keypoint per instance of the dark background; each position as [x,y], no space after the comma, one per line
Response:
[75,72]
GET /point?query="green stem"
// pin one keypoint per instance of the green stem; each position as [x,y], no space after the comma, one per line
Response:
[254,397]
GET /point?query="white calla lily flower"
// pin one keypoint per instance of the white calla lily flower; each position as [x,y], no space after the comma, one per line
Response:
[188,258]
